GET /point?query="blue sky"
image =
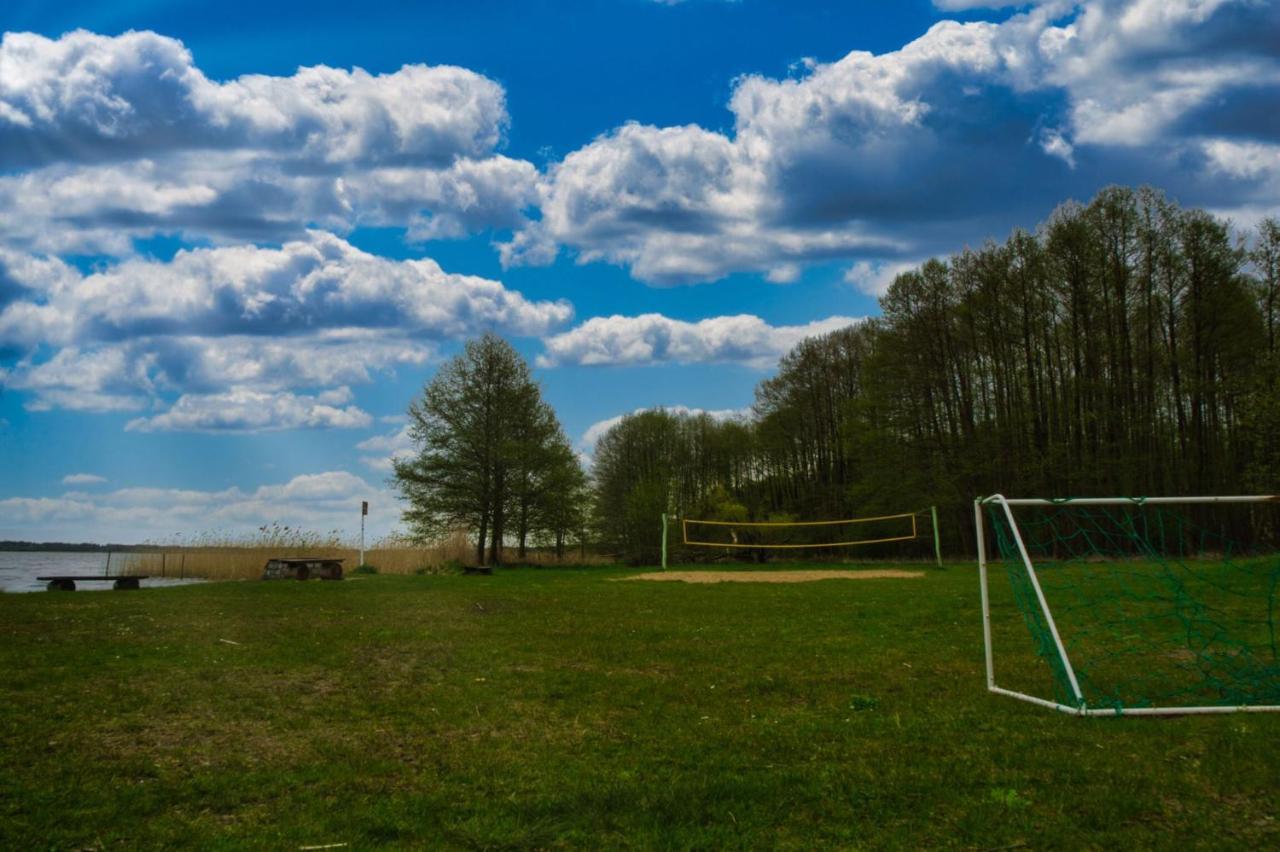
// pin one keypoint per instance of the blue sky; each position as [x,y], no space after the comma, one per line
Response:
[235,239]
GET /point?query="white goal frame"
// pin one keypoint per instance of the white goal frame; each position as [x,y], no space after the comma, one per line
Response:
[1081,708]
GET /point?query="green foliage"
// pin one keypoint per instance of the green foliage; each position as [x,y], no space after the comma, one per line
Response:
[365,569]
[720,506]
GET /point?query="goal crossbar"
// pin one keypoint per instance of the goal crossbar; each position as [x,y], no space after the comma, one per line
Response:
[1127,501]
[1081,708]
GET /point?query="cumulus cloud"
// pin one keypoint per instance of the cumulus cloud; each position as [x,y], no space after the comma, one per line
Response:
[130,375]
[320,501]
[243,320]
[874,277]
[89,97]
[83,479]
[315,283]
[246,410]
[380,451]
[596,430]
[959,135]
[108,139]
[676,205]
[654,339]
[226,197]
[104,139]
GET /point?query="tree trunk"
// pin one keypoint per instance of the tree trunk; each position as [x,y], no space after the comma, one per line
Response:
[495,544]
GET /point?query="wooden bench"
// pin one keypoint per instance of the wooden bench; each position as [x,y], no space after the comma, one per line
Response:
[67,582]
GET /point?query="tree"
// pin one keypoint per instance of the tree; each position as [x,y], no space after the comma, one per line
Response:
[1266,260]
[562,503]
[634,469]
[546,479]
[481,429]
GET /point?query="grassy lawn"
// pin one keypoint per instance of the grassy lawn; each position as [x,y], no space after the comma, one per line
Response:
[545,708]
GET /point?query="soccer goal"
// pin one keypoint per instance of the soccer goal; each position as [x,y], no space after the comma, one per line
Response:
[1133,606]
[806,535]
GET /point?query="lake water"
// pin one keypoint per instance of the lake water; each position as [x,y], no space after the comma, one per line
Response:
[18,570]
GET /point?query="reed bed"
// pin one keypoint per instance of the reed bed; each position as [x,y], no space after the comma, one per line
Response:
[222,557]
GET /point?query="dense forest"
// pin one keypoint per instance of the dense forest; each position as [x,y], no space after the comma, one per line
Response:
[1127,347]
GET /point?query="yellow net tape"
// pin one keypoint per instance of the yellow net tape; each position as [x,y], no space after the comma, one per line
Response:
[684,523]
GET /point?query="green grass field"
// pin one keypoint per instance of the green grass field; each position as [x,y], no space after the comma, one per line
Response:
[557,708]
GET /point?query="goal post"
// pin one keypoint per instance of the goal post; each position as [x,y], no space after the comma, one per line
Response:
[1135,605]
[805,535]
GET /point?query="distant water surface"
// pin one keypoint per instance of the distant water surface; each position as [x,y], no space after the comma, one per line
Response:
[18,570]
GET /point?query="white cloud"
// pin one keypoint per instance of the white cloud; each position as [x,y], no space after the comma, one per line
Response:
[1245,160]
[132,374]
[245,410]
[596,430]
[786,273]
[83,479]
[318,502]
[85,96]
[103,139]
[316,283]
[380,450]
[676,205]
[875,277]
[226,197]
[108,139]
[108,379]
[653,338]
[1052,142]
[312,314]
[959,135]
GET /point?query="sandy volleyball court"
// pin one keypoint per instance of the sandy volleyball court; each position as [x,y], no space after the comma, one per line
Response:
[772,576]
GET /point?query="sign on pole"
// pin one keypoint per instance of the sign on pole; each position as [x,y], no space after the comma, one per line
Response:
[364,510]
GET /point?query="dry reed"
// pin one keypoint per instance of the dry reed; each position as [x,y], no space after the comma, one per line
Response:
[216,556]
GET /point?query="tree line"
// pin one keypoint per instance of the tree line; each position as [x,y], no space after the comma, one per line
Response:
[1127,347]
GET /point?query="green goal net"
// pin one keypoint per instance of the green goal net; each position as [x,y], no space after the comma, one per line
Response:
[1159,605]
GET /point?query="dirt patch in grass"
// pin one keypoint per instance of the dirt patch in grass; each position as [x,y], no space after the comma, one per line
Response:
[772,576]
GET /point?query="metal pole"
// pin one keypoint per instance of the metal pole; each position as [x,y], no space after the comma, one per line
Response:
[106,572]
[986,602]
[1131,501]
[164,558]
[361,537]
[937,541]
[1044,604]
[664,541]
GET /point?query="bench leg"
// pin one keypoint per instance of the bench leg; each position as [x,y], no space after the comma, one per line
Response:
[61,586]
[126,583]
